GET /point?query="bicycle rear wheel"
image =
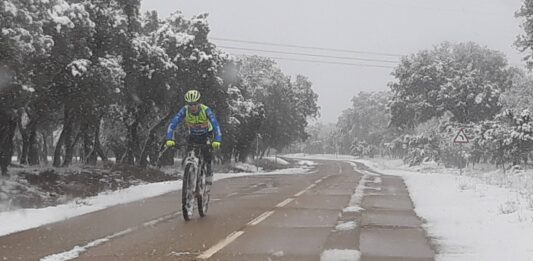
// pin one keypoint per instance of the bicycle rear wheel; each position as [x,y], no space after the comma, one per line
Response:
[203,196]
[187,194]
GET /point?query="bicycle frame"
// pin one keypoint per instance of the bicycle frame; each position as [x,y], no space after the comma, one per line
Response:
[194,182]
[192,158]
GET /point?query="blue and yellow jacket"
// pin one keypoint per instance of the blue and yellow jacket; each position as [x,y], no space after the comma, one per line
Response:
[199,124]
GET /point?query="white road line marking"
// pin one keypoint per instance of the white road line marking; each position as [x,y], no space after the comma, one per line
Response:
[284,202]
[300,193]
[77,250]
[310,187]
[223,243]
[260,218]
[231,194]
[231,237]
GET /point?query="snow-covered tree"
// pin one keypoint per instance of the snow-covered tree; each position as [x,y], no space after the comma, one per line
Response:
[525,41]
[520,95]
[464,79]
[365,122]
[287,104]
[96,76]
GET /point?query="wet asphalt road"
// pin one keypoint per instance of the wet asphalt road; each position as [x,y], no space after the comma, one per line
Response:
[273,217]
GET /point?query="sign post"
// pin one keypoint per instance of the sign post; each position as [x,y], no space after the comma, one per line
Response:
[460,139]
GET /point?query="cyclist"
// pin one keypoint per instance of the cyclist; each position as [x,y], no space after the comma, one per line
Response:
[202,124]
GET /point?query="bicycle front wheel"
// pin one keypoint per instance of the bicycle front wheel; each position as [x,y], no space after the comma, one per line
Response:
[203,195]
[187,193]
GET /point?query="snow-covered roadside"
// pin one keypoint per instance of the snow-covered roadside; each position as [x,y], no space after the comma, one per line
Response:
[466,218]
[23,219]
[277,160]
[487,215]
[320,156]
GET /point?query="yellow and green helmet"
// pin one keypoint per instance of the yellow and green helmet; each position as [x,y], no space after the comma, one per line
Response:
[192,96]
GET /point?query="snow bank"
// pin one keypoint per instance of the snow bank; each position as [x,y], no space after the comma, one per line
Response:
[23,219]
[320,156]
[278,160]
[349,225]
[340,255]
[246,167]
[466,218]
[307,163]
[353,209]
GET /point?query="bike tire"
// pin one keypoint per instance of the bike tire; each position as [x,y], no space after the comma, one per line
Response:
[203,198]
[186,193]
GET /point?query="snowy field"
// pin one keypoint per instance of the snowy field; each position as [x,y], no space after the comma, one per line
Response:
[23,219]
[483,214]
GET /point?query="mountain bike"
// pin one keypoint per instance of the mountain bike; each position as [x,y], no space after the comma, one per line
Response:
[194,186]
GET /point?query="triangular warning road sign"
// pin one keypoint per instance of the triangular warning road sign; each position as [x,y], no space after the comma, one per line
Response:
[460,137]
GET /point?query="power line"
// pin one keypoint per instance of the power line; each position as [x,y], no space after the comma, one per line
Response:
[308,54]
[305,47]
[325,62]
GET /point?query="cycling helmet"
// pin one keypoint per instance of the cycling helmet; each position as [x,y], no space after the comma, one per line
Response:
[192,96]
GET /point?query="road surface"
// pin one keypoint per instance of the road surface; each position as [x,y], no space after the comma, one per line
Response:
[267,217]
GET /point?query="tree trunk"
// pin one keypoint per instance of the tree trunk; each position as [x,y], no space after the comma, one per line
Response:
[242,155]
[69,148]
[63,137]
[97,145]
[88,145]
[44,151]
[33,150]
[96,148]
[28,137]
[23,157]
[118,153]
[131,143]
[8,125]
[65,141]
[143,160]
[17,146]
[59,146]
[100,151]
[91,158]
[263,151]
[150,140]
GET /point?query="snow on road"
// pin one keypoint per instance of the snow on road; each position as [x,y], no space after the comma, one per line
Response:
[340,255]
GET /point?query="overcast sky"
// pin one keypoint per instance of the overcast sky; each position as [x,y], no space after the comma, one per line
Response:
[384,26]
